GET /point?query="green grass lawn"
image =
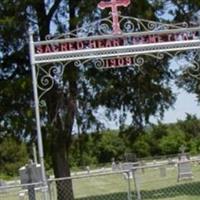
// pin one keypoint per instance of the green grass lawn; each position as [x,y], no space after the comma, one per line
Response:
[152,186]
[115,187]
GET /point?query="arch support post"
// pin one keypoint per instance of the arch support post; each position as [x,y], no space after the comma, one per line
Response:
[37,115]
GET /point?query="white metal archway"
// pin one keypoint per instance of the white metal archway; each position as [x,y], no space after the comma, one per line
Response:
[97,43]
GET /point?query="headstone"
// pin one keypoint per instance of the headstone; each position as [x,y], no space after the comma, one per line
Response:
[128,167]
[184,166]
[142,164]
[88,169]
[162,171]
[2,183]
[31,173]
[114,165]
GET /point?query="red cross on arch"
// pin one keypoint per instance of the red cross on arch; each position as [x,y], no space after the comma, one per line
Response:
[114,4]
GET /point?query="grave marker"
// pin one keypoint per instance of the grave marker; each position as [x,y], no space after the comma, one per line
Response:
[129,167]
[114,165]
[31,173]
[184,166]
[162,171]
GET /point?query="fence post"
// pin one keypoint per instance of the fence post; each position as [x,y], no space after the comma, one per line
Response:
[137,188]
[51,190]
[129,185]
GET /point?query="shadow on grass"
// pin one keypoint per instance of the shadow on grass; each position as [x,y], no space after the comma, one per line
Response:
[112,196]
[181,189]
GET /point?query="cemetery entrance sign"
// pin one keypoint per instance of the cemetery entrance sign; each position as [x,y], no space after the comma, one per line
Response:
[123,45]
[112,42]
[116,40]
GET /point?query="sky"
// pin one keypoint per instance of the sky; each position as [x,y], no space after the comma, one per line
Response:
[186,103]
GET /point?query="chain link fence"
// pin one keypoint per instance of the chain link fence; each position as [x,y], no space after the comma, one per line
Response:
[171,181]
[163,180]
[22,192]
[93,186]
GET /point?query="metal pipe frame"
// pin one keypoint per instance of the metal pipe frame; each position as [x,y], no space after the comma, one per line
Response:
[37,113]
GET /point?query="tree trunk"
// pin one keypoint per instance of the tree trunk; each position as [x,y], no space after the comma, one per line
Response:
[61,113]
[61,169]
[61,107]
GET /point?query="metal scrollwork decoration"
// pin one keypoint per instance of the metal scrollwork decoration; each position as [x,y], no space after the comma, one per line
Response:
[127,25]
[193,70]
[98,63]
[131,24]
[48,75]
[192,65]
[104,26]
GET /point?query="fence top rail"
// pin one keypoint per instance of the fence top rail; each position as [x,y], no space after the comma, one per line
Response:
[19,186]
[164,163]
[103,173]
[100,173]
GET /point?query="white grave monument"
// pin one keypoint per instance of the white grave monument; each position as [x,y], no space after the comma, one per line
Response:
[30,173]
[184,166]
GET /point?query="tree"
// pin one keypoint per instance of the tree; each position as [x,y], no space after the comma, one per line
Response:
[141,146]
[187,11]
[84,150]
[191,126]
[110,146]
[13,155]
[171,143]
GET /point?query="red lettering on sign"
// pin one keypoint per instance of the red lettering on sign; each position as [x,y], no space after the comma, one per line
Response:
[79,45]
[128,60]
[71,47]
[100,44]
[64,47]
[118,62]
[116,43]
[55,48]
[185,36]
[110,42]
[92,44]
[152,39]
[121,62]
[47,49]
[38,49]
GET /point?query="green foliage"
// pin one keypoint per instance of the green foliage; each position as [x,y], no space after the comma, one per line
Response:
[110,146]
[156,140]
[190,125]
[96,148]
[141,146]
[83,150]
[13,155]
[171,143]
